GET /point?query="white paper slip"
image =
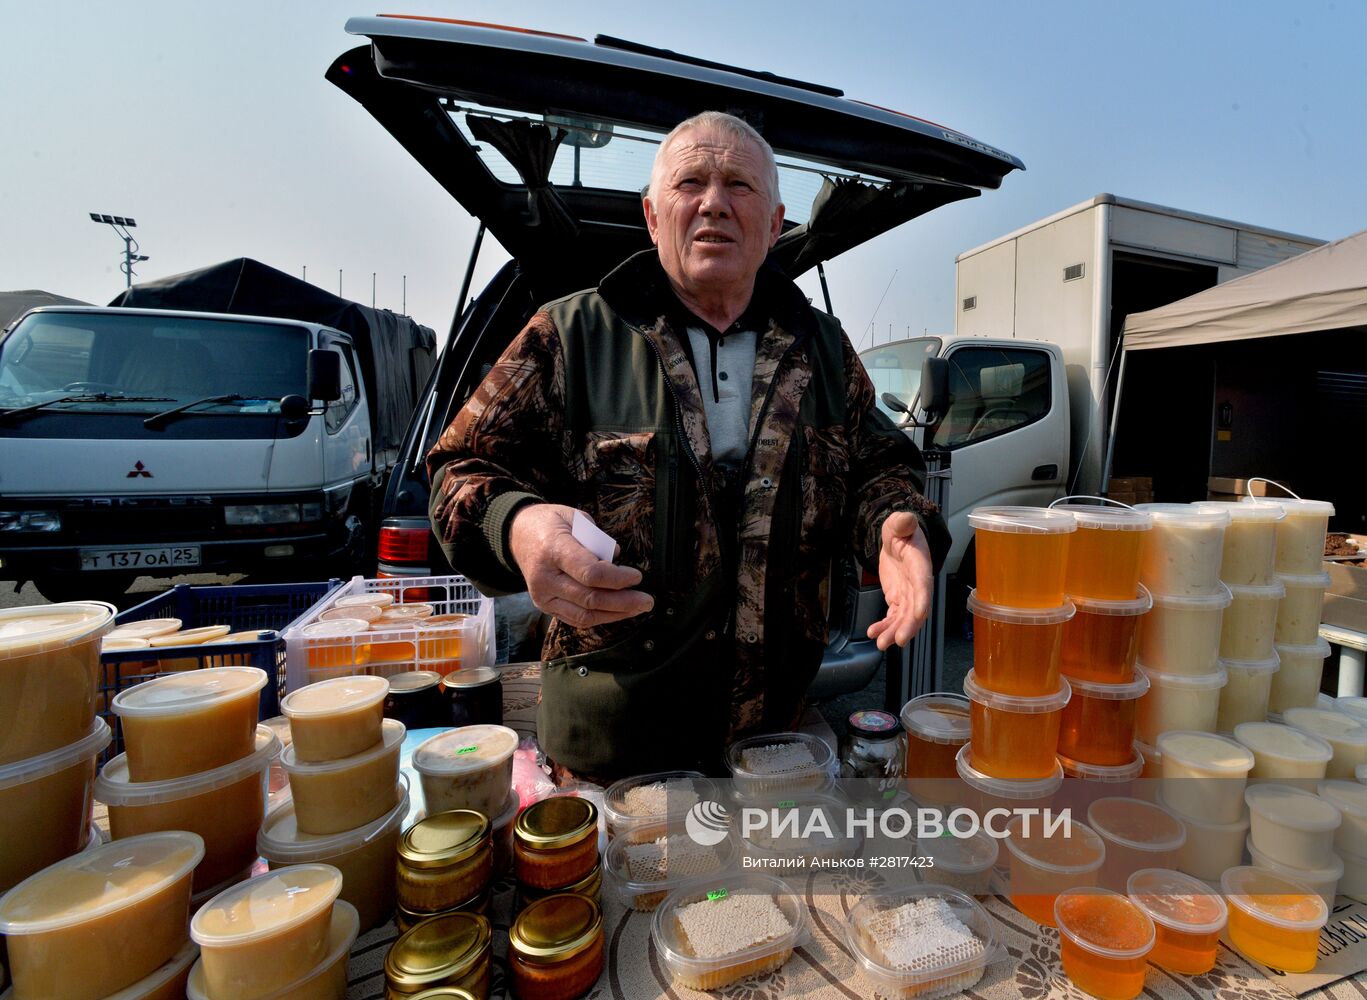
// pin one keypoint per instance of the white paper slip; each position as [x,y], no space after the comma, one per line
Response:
[592,537]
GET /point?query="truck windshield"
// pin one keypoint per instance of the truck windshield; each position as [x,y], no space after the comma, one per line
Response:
[102,356]
[896,368]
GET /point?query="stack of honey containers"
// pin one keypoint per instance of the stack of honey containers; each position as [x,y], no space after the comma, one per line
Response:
[50,736]
[195,760]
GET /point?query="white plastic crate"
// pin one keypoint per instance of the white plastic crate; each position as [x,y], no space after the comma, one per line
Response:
[386,651]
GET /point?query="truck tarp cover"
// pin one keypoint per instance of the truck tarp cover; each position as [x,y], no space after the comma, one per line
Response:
[1321,289]
[395,353]
[15,304]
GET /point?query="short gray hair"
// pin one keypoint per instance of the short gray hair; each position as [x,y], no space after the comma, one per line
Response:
[737,128]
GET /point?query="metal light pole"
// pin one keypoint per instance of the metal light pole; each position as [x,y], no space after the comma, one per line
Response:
[120,225]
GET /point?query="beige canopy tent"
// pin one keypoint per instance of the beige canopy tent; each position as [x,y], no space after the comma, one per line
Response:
[1321,289]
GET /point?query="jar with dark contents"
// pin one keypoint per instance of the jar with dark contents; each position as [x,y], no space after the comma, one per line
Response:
[555,948]
[444,861]
[444,951]
[872,753]
[415,699]
[555,842]
[475,695]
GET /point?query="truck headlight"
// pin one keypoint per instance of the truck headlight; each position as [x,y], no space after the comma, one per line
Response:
[261,513]
[30,520]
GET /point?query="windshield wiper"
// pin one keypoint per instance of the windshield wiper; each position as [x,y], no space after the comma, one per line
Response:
[157,419]
[93,397]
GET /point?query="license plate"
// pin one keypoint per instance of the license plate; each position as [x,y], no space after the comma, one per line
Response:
[140,558]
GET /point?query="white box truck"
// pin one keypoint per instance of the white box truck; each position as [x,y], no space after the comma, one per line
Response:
[1030,367]
[158,441]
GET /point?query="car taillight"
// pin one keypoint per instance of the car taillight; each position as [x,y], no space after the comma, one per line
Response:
[400,545]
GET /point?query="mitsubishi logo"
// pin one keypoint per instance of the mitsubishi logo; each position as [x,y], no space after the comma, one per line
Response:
[139,470]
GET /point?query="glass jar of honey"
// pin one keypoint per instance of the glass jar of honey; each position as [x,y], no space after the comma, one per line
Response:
[444,860]
[449,950]
[590,886]
[555,948]
[555,842]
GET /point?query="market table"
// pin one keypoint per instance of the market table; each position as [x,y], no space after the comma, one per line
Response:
[823,968]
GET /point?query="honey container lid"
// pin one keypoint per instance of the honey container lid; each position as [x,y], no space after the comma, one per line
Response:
[470,677]
[1274,899]
[1184,514]
[1006,788]
[464,749]
[444,838]
[95,883]
[191,636]
[1102,518]
[413,680]
[1140,604]
[365,612]
[940,717]
[1177,901]
[122,644]
[1017,703]
[1019,616]
[1068,850]
[266,905]
[280,839]
[1293,807]
[400,615]
[1122,930]
[377,599]
[445,947]
[340,694]
[32,768]
[557,822]
[1295,507]
[1136,824]
[114,788]
[555,928]
[1327,725]
[392,733]
[1247,510]
[1023,520]
[25,631]
[250,635]
[1103,772]
[146,629]
[335,628]
[188,691]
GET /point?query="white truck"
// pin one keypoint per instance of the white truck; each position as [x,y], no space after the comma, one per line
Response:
[156,441]
[1030,368]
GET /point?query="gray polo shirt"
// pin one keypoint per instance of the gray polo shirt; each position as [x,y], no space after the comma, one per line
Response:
[726,399]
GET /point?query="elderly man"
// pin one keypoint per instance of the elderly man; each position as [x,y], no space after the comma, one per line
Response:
[724,434]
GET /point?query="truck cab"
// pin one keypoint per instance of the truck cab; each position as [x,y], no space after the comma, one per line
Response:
[157,442]
[1004,424]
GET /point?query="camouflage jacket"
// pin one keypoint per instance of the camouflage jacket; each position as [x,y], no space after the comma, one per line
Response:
[596,405]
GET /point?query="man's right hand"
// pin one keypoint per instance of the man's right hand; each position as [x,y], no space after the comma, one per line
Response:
[565,579]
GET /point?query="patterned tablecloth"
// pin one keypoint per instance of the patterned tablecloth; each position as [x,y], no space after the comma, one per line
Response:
[823,968]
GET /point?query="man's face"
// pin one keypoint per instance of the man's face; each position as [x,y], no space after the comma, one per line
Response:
[710,214]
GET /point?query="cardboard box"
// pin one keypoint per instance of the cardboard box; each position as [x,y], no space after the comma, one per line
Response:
[1345,602]
[1242,487]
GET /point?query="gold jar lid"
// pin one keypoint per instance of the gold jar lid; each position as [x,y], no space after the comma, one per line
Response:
[555,928]
[560,821]
[437,951]
[444,838]
[444,993]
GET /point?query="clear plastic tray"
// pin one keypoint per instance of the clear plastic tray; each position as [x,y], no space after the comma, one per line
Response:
[620,815]
[937,978]
[750,780]
[639,892]
[751,959]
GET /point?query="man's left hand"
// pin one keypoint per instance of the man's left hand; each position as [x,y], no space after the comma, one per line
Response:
[907,574]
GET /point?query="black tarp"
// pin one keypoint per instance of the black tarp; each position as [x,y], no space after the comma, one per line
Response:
[15,304]
[396,354]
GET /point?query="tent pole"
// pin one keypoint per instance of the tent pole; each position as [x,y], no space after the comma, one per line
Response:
[1105,484]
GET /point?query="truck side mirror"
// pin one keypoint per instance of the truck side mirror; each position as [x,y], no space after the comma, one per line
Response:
[934,386]
[324,375]
[894,403]
[294,407]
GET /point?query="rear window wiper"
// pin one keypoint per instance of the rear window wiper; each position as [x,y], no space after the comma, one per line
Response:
[91,397]
[157,419]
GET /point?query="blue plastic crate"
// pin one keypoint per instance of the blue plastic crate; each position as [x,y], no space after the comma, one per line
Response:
[269,608]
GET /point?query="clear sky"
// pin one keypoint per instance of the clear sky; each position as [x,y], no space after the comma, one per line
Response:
[212,125]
